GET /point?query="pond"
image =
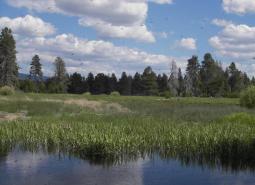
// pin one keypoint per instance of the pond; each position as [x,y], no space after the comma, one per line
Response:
[27,168]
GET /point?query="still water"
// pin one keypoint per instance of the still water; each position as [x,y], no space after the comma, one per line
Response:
[26,168]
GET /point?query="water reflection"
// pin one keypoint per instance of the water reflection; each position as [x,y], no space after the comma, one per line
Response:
[40,168]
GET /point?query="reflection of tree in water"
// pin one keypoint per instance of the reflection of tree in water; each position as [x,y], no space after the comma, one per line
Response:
[227,161]
[235,157]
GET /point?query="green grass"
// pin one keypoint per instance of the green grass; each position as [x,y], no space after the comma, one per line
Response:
[201,128]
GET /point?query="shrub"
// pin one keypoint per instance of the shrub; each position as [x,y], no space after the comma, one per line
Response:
[247,98]
[233,95]
[6,91]
[115,93]
[166,94]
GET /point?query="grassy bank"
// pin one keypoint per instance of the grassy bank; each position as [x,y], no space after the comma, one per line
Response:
[197,127]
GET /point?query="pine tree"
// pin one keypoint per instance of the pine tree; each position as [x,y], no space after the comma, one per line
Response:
[173,80]
[162,82]
[236,81]
[100,84]
[192,78]
[149,81]
[8,65]
[112,83]
[137,87]
[181,87]
[253,81]
[90,81]
[36,73]
[77,84]
[60,75]
[212,77]
[125,84]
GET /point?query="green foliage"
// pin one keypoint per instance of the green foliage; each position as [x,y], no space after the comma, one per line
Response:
[27,86]
[167,94]
[247,98]
[36,73]
[7,91]
[125,84]
[8,64]
[180,126]
[212,77]
[149,81]
[115,93]
[241,118]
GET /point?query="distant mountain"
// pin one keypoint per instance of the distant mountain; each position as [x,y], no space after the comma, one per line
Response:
[23,76]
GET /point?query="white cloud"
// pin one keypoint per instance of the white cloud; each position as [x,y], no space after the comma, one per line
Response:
[162,1]
[187,43]
[221,22]
[236,41]
[83,55]
[239,6]
[28,26]
[105,29]
[111,18]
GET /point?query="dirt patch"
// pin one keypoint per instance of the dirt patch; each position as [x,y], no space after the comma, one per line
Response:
[5,116]
[98,106]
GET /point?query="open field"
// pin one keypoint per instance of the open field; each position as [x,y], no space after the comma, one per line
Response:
[201,128]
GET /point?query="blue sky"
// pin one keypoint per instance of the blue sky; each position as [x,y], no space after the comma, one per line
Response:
[128,35]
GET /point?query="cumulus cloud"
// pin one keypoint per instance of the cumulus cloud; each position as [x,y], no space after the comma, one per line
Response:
[187,43]
[111,18]
[236,41]
[105,29]
[239,6]
[28,26]
[82,55]
[221,22]
[162,1]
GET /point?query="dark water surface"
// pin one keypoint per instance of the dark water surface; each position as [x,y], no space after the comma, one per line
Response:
[25,168]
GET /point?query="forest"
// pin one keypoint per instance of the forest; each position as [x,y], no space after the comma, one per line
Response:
[200,79]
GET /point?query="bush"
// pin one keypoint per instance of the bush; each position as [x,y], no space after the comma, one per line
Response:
[233,95]
[6,91]
[247,98]
[166,94]
[115,93]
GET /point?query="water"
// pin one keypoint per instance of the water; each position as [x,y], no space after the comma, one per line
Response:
[26,168]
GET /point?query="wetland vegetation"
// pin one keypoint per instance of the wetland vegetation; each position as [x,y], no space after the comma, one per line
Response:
[109,127]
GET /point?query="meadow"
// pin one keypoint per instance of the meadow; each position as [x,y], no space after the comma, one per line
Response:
[201,129]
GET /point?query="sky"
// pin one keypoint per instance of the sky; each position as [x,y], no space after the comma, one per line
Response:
[112,36]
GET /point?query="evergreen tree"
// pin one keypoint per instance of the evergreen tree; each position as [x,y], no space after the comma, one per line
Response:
[137,87]
[77,84]
[162,82]
[246,80]
[149,81]
[235,80]
[100,84]
[60,75]
[8,65]
[253,81]
[212,77]
[173,80]
[112,84]
[192,78]
[36,73]
[125,84]
[181,87]
[90,81]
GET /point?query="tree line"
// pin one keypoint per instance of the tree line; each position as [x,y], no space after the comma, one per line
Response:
[201,79]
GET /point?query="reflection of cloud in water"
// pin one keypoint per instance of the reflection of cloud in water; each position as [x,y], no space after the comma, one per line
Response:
[30,169]
[39,169]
